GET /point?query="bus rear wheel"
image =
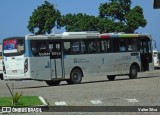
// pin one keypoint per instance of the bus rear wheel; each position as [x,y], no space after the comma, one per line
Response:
[53,83]
[75,77]
[133,72]
[111,77]
[1,76]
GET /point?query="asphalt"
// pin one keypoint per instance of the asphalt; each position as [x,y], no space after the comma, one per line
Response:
[95,91]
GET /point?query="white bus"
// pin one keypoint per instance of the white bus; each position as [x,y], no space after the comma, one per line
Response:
[1,69]
[156,59]
[72,55]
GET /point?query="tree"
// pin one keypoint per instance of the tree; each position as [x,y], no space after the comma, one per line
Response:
[121,15]
[79,22]
[44,18]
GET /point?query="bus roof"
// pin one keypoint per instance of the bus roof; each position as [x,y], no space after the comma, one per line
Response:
[122,35]
[66,35]
[84,35]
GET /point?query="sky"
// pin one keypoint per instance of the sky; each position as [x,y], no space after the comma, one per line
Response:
[14,15]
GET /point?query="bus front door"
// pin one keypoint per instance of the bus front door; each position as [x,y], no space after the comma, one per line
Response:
[56,60]
[146,54]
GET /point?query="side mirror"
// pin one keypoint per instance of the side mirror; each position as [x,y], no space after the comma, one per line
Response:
[156,4]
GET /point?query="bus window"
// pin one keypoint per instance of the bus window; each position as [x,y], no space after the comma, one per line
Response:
[34,48]
[115,45]
[72,47]
[42,48]
[67,47]
[132,45]
[75,47]
[83,47]
[92,46]
[13,46]
[122,47]
[39,48]
[106,46]
[144,46]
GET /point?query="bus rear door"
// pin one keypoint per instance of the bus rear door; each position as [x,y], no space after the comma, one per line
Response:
[56,60]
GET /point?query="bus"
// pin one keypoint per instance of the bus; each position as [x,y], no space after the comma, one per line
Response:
[70,56]
[1,69]
[156,59]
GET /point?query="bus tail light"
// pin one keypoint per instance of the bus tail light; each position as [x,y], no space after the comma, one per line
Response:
[4,69]
[104,36]
[26,66]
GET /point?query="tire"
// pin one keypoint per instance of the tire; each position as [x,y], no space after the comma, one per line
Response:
[75,77]
[1,76]
[133,72]
[53,83]
[111,77]
[69,81]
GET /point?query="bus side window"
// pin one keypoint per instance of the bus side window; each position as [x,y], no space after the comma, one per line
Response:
[75,47]
[34,48]
[122,47]
[42,47]
[115,45]
[92,46]
[83,47]
[67,47]
[132,45]
[106,46]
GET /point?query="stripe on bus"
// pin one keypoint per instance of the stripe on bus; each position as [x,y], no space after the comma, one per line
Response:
[107,36]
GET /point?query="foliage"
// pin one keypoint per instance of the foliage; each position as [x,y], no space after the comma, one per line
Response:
[121,15]
[44,18]
[135,19]
[79,22]
[16,98]
[114,16]
[23,101]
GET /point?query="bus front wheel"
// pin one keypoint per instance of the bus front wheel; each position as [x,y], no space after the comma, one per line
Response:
[75,77]
[133,72]
[52,83]
[111,77]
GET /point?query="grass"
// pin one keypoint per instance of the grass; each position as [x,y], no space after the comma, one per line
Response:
[23,101]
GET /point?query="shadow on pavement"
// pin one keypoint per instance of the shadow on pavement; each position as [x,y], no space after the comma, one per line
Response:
[88,82]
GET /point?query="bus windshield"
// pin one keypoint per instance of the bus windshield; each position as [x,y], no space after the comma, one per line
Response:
[13,47]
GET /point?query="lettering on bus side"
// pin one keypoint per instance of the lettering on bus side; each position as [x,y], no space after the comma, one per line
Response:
[126,57]
[81,60]
[55,55]
[48,54]
[44,54]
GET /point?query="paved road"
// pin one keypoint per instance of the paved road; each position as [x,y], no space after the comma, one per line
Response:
[96,91]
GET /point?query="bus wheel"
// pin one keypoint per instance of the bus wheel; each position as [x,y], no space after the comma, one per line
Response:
[1,76]
[111,77]
[69,81]
[53,83]
[133,72]
[76,77]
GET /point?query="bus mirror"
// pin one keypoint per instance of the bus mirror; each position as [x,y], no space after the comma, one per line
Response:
[156,4]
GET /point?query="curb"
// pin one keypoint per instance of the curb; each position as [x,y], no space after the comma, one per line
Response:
[43,101]
[44,107]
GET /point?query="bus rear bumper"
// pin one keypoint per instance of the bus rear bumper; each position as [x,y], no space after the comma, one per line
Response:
[16,77]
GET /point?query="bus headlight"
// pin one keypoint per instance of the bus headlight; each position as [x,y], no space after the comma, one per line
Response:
[26,66]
